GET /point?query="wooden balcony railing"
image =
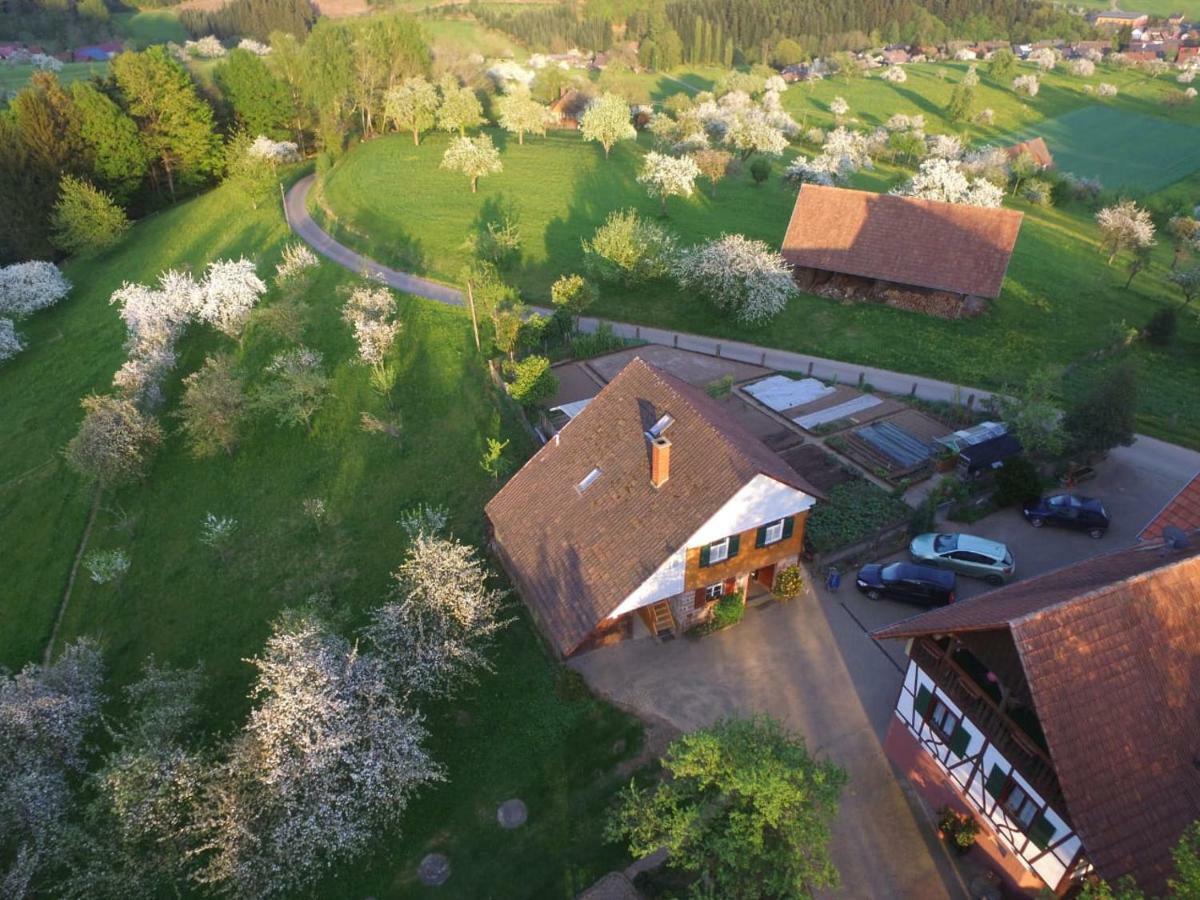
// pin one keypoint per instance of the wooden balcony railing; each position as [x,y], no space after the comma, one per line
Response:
[1008,737]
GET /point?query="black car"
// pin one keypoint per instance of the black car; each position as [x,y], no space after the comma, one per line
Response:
[908,583]
[1069,511]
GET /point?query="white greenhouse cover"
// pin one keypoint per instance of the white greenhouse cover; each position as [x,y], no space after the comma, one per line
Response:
[780,392]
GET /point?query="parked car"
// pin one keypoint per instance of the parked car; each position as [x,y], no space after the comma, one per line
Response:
[1069,511]
[965,554]
[908,583]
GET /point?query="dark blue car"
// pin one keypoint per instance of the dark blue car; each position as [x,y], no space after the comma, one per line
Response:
[908,583]
[1069,511]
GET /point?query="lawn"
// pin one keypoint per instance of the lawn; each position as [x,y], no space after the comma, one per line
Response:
[465,36]
[13,78]
[1060,304]
[528,731]
[152,26]
[1121,148]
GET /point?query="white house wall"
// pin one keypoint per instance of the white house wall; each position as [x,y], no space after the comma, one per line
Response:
[761,500]
[1050,865]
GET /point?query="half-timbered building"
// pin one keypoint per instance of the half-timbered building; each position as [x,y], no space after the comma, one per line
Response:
[1063,712]
[647,508]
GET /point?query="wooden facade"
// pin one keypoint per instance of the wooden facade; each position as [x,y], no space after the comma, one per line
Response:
[998,771]
[748,557]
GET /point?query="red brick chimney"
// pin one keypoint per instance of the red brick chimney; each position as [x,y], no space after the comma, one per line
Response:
[660,461]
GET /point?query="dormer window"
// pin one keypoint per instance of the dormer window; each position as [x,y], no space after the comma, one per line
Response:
[588,480]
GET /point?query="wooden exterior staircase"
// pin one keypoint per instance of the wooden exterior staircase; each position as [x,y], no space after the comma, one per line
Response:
[659,620]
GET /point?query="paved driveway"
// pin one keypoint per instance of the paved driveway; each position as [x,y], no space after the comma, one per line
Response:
[794,661]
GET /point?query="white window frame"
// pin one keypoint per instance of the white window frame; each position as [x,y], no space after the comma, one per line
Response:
[718,551]
[714,591]
[775,528]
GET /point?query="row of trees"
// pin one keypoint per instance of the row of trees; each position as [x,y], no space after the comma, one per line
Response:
[329,756]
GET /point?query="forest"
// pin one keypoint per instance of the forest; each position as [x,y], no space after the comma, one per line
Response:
[742,31]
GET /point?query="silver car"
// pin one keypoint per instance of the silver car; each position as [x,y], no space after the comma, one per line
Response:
[964,553]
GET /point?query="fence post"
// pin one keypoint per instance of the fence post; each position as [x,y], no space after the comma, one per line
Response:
[810,367]
[862,377]
[675,342]
[718,351]
[764,359]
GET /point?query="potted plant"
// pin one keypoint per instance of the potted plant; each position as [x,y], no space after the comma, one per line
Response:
[959,830]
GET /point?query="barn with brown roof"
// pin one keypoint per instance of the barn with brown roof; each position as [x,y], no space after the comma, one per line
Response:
[648,507]
[1036,148]
[1063,713]
[942,258]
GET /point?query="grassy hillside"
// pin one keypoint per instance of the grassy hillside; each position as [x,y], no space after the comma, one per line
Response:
[1061,303]
[525,732]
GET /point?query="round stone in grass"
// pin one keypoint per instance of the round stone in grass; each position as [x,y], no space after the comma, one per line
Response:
[512,814]
[434,869]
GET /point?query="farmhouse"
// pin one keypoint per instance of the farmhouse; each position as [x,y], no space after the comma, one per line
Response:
[1115,18]
[1036,148]
[940,258]
[646,508]
[1063,713]
[569,108]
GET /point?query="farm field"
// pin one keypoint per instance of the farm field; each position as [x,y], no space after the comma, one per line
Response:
[1122,149]
[151,26]
[527,731]
[1060,305]
[467,36]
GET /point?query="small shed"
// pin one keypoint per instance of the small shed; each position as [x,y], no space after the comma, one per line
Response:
[978,459]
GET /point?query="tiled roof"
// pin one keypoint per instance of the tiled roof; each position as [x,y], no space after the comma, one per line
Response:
[575,554]
[1111,653]
[942,246]
[1035,147]
[1183,511]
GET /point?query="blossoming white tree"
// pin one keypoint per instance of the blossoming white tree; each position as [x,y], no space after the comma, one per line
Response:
[1083,67]
[256,47]
[1124,226]
[943,179]
[412,106]
[1044,58]
[45,716]
[228,295]
[668,176]
[371,312]
[894,74]
[297,386]
[1026,84]
[29,286]
[327,758]
[474,157]
[460,108]
[750,130]
[434,633]
[10,342]
[520,113]
[839,107]
[945,146]
[607,121]
[277,153]
[1105,89]
[740,276]
[295,261]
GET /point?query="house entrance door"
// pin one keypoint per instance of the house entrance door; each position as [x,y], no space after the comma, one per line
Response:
[766,576]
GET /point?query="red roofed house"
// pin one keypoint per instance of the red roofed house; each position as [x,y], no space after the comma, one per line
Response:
[942,258]
[1063,713]
[649,505]
[1035,147]
[1187,54]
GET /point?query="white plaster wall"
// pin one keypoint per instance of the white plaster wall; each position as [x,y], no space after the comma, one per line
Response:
[762,500]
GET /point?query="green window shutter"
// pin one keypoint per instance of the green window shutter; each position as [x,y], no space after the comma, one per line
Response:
[1041,832]
[733,545]
[760,537]
[789,524]
[959,740]
[924,697]
[996,780]
[704,556]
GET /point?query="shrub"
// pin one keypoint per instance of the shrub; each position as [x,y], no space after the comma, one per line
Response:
[1017,481]
[1160,330]
[10,341]
[1039,192]
[629,249]
[729,611]
[599,342]
[114,443]
[86,220]
[760,170]
[789,583]
[959,829]
[532,381]
[105,566]
[29,286]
